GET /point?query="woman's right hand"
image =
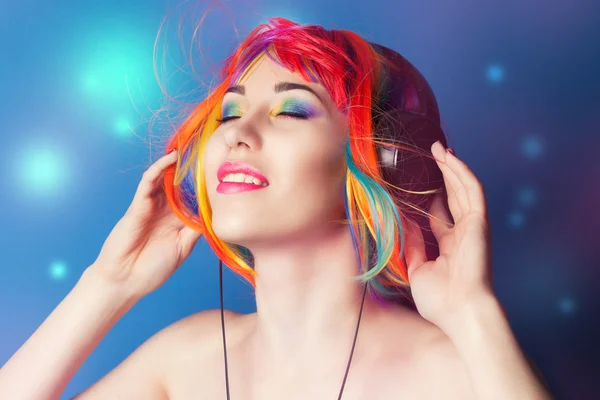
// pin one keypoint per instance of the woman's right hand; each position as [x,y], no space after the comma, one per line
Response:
[149,243]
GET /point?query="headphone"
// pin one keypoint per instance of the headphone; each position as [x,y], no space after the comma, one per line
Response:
[410,116]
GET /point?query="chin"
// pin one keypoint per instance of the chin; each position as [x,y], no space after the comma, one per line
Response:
[234,229]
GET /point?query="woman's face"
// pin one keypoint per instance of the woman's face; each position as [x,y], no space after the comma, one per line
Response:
[301,158]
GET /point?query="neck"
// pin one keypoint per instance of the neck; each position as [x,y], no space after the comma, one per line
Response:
[307,300]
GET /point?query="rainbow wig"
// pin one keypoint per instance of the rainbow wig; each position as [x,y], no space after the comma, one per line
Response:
[351,71]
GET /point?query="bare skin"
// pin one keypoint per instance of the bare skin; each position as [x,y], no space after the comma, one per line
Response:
[401,356]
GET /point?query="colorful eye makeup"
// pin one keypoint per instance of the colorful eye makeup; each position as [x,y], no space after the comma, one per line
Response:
[295,108]
[302,108]
[231,109]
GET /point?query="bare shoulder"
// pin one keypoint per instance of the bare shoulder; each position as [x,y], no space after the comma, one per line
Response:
[197,333]
[145,372]
[444,372]
[194,351]
[426,356]
[195,326]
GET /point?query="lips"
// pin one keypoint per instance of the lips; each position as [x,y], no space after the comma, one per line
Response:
[229,167]
[236,187]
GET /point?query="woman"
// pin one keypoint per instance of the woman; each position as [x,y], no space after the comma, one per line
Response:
[289,170]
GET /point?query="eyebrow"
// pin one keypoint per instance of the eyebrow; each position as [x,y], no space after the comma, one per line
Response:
[278,88]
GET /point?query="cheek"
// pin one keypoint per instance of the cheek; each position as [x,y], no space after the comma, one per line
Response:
[323,161]
[213,155]
[317,171]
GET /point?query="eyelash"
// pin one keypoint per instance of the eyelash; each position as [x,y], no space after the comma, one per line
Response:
[289,114]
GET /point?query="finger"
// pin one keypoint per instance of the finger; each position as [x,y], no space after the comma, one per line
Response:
[440,220]
[456,195]
[189,237]
[153,173]
[414,247]
[472,185]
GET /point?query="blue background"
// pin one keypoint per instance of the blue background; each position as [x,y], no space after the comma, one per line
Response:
[518,87]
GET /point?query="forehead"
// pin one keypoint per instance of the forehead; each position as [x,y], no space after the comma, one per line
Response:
[266,77]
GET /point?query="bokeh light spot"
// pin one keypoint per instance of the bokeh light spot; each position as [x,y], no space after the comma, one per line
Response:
[516,219]
[567,305]
[495,73]
[122,126]
[91,83]
[42,169]
[58,271]
[532,147]
[117,65]
[526,196]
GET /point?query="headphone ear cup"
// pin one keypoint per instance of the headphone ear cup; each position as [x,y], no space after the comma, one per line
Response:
[412,169]
[406,115]
[415,170]
[412,131]
[387,156]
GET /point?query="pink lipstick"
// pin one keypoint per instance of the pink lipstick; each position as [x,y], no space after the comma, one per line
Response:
[237,187]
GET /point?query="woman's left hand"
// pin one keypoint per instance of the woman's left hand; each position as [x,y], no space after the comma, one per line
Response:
[461,276]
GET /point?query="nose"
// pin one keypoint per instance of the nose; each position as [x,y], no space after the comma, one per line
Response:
[243,133]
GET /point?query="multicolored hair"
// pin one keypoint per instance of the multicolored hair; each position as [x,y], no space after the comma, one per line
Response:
[351,71]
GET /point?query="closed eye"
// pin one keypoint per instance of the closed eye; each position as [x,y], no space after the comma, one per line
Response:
[285,114]
[226,119]
[293,115]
